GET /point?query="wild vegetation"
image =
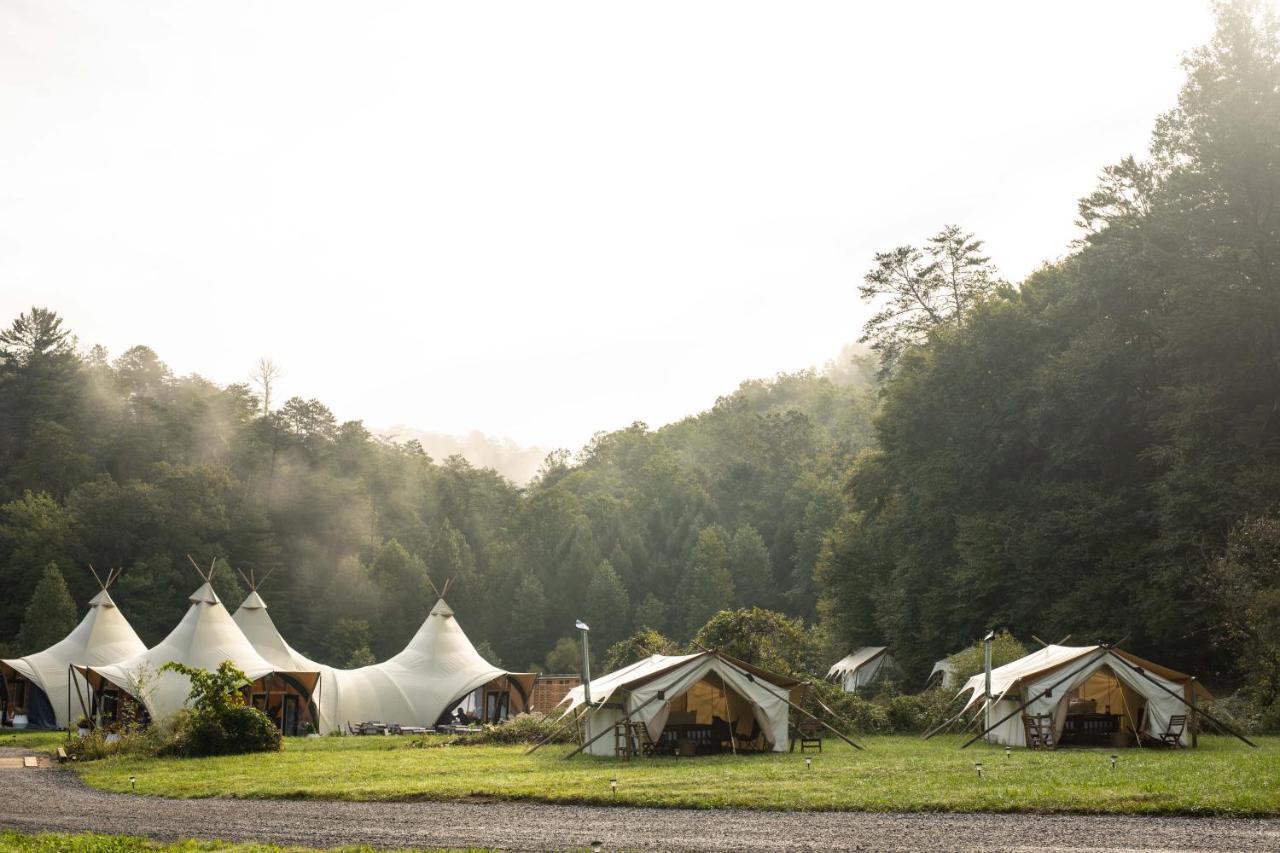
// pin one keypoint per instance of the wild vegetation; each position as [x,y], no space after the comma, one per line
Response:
[1094,451]
[92,842]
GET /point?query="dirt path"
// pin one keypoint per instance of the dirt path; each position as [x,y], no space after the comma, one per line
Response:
[56,800]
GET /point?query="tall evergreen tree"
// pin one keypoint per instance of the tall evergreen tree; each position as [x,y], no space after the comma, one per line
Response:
[51,614]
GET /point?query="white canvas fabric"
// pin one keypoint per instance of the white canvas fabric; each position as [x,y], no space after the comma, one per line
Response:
[633,692]
[861,668]
[947,672]
[438,667]
[206,636]
[1063,669]
[103,636]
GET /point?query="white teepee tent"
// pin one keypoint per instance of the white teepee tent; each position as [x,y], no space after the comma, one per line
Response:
[435,670]
[103,636]
[206,636]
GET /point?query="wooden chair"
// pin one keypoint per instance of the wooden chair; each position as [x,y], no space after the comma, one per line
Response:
[809,733]
[1172,735]
[1039,730]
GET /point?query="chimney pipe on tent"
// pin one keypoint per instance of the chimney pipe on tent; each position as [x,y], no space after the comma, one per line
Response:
[986,669]
[586,662]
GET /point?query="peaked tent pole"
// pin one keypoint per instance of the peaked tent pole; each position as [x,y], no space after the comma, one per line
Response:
[1044,692]
[1140,671]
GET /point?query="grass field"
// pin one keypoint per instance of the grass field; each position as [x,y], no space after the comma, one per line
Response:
[50,842]
[1222,777]
[32,739]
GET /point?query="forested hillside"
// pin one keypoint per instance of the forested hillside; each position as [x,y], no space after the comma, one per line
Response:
[117,462]
[1094,451]
[1067,456]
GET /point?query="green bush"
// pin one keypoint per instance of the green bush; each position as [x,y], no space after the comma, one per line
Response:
[520,729]
[1244,713]
[219,723]
[144,741]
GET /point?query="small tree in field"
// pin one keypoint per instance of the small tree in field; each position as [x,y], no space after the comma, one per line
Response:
[220,723]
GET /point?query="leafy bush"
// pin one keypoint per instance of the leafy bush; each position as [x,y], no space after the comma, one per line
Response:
[1005,648]
[1243,712]
[520,729]
[638,646]
[219,723]
[95,745]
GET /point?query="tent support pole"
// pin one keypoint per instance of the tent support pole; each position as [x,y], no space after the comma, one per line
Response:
[1181,699]
[573,720]
[728,715]
[605,732]
[1195,717]
[1042,693]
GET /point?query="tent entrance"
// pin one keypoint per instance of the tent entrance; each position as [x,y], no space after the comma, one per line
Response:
[286,702]
[707,719]
[1101,711]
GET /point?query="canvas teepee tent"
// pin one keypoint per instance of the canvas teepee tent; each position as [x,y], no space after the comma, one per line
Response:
[437,669]
[207,636]
[39,685]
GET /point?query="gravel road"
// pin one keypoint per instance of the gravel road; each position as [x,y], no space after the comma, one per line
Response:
[53,799]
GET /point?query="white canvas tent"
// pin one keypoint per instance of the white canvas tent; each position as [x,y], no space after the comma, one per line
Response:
[438,668]
[700,686]
[103,636]
[206,636]
[1057,679]
[859,669]
[943,674]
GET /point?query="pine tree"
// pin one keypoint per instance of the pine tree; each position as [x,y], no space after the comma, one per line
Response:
[607,605]
[710,587]
[50,616]
[749,563]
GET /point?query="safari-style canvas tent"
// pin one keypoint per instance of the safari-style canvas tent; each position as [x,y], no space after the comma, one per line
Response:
[1109,689]
[206,636]
[437,669]
[753,703]
[39,685]
[864,666]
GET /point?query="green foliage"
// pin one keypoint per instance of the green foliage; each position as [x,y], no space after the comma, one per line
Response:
[51,614]
[764,638]
[640,645]
[219,722]
[710,585]
[1061,457]
[350,642]
[1005,648]
[566,657]
[607,608]
[1244,583]
[520,729]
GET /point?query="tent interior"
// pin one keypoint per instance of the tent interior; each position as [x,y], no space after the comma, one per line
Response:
[286,698]
[714,717]
[492,702]
[1101,711]
[23,702]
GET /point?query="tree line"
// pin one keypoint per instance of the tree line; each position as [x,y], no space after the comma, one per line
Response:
[1093,452]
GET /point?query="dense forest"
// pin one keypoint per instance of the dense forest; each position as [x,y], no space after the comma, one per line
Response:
[1094,451]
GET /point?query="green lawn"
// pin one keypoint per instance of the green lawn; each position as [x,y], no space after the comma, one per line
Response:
[895,773]
[50,842]
[32,739]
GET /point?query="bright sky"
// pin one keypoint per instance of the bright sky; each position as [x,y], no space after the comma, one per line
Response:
[539,219]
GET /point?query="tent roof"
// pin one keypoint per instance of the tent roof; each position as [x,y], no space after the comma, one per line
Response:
[206,636]
[1050,658]
[641,672]
[859,658]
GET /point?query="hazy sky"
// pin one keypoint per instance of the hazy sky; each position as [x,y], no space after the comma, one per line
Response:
[539,219]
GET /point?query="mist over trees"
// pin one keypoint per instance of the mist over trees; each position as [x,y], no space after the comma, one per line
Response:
[116,461]
[1093,452]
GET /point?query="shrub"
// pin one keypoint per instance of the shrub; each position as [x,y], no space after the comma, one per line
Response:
[520,729]
[148,741]
[219,723]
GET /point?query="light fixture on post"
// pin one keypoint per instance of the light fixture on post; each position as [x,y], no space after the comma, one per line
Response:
[1113,761]
[808,763]
[1008,750]
[586,662]
[977,765]
[613,784]
[133,782]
